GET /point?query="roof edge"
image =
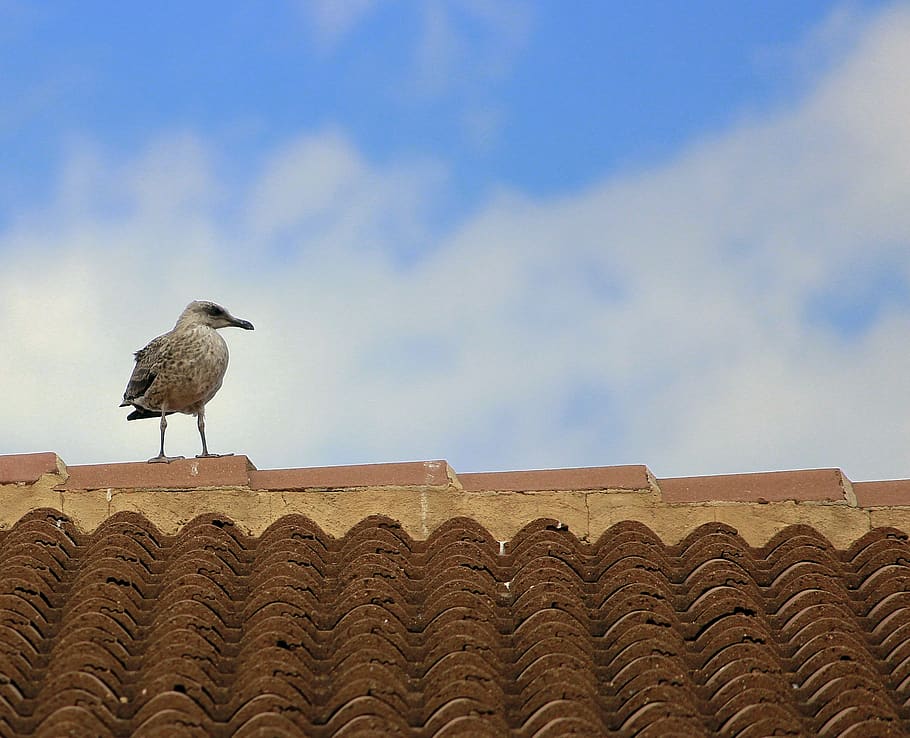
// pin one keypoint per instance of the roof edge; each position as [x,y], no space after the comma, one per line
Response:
[422,495]
[829,485]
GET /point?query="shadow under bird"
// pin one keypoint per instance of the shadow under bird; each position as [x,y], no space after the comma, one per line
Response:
[180,371]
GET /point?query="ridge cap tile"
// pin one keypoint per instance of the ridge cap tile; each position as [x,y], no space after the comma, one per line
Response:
[29,468]
[799,485]
[435,473]
[629,477]
[223,471]
[883,493]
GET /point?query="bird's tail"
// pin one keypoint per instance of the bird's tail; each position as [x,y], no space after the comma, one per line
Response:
[140,413]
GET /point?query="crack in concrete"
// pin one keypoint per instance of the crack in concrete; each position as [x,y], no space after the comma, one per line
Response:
[587,536]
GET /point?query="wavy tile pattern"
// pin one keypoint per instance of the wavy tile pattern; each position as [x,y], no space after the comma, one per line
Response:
[126,632]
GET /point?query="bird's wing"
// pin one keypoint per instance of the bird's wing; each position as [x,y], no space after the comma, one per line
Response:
[144,372]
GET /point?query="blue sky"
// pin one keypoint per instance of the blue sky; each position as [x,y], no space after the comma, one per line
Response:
[528,95]
[512,235]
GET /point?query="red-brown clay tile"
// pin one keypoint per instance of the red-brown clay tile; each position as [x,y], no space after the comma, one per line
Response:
[763,718]
[168,712]
[561,717]
[460,528]
[277,722]
[883,494]
[214,632]
[294,530]
[632,592]
[544,537]
[627,478]
[476,561]
[811,485]
[447,678]
[799,543]
[72,720]
[364,716]
[274,716]
[224,471]
[877,548]
[658,685]
[26,468]
[460,716]
[408,474]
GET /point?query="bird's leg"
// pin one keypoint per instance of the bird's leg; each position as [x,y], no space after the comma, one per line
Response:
[200,422]
[161,457]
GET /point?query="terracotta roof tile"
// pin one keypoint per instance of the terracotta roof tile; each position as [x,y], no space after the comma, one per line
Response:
[816,485]
[225,471]
[594,478]
[418,473]
[423,494]
[886,493]
[212,632]
[27,467]
[648,617]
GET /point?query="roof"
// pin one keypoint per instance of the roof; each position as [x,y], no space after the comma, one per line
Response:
[422,495]
[589,602]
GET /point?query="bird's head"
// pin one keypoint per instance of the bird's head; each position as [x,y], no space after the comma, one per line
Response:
[211,314]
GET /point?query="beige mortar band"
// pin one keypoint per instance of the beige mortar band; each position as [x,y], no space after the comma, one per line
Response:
[588,514]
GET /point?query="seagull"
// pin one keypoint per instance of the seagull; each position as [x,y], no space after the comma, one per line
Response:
[180,371]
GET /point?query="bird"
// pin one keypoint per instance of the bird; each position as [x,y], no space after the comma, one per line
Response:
[181,370]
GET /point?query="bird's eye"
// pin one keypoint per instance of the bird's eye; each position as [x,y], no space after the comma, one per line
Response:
[214,310]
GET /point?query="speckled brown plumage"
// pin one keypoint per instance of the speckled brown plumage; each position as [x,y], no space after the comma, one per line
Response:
[180,371]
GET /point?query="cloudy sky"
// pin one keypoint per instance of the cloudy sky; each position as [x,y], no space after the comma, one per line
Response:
[511,235]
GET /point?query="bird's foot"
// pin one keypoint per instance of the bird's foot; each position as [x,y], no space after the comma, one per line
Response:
[162,459]
[211,456]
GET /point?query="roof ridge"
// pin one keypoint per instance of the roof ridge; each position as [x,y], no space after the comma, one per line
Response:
[423,494]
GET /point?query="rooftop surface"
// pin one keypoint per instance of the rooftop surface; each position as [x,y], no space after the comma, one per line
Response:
[422,495]
[209,598]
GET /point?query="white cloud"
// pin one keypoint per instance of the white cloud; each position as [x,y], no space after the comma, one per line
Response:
[332,20]
[459,45]
[659,317]
[464,42]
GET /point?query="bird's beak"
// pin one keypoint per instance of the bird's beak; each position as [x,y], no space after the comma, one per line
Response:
[245,324]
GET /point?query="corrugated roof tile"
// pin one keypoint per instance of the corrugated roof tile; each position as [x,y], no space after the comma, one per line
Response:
[212,631]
